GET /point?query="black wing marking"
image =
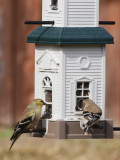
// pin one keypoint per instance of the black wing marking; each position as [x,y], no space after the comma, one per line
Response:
[21,126]
[94,116]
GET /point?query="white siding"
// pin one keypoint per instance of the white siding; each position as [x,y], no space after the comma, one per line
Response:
[72,13]
[54,76]
[82,13]
[95,71]
[68,71]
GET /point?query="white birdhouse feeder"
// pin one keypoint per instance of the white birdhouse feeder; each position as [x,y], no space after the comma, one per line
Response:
[70,60]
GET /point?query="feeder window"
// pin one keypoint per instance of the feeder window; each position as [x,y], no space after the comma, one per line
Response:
[47,93]
[82,92]
[54,4]
[47,86]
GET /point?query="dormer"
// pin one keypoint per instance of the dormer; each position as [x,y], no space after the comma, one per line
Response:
[71,13]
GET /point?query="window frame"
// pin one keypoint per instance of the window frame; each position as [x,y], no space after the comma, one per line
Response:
[92,94]
[81,89]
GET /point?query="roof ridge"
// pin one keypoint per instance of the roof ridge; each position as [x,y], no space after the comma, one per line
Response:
[61,35]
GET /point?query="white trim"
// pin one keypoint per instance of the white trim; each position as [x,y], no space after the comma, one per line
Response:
[97,13]
[43,89]
[36,75]
[38,60]
[43,9]
[104,81]
[65,16]
[92,87]
[83,78]
[53,11]
[62,86]
[73,96]
[50,71]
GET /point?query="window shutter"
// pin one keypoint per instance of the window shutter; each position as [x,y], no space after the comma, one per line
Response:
[73,97]
[93,91]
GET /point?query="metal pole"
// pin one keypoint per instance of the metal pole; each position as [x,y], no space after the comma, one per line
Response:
[40,22]
[106,22]
[116,128]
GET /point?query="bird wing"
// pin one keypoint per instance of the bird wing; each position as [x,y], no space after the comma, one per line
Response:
[29,117]
[94,115]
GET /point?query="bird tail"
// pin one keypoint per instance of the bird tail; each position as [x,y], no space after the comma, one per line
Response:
[13,143]
[14,137]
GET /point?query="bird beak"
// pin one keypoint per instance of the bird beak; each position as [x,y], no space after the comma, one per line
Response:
[44,103]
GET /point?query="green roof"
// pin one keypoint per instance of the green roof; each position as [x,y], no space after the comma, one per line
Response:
[69,35]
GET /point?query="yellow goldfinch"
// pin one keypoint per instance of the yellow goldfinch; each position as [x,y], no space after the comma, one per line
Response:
[29,119]
[91,115]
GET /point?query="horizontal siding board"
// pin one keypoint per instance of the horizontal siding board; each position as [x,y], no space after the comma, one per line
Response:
[78,71]
[71,17]
[74,19]
[72,69]
[74,60]
[78,14]
[81,10]
[93,53]
[82,1]
[93,7]
[85,74]
[85,48]
[80,23]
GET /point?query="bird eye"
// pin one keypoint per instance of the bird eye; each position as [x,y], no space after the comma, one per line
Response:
[42,101]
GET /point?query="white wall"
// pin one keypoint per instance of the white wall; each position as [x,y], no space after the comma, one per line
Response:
[72,13]
[54,74]
[95,72]
[69,71]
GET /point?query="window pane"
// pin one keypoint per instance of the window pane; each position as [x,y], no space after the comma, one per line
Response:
[86,93]
[54,2]
[86,85]
[47,82]
[48,96]
[79,85]
[79,93]
[79,104]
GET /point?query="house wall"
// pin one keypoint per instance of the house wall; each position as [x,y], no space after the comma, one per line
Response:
[67,72]
[96,54]
[72,13]
[54,75]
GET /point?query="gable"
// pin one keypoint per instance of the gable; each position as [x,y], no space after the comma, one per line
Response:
[47,62]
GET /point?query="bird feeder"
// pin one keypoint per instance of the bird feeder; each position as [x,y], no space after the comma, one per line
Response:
[70,65]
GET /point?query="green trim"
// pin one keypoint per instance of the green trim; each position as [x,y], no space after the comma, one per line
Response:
[69,36]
